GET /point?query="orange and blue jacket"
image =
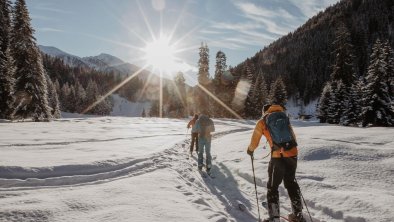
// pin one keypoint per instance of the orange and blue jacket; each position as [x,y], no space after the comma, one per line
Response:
[261,129]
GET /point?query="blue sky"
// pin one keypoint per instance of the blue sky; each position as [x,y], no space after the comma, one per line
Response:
[239,28]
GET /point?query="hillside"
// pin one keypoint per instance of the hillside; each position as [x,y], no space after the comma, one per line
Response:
[305,57]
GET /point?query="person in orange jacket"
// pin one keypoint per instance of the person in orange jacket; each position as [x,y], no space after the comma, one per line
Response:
[282,166]
[194,134]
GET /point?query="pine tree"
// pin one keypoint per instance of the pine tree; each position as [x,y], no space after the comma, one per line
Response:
[64,94]
[7,80]
[261,92]
[143,114]
[278,93]
[250,102]
[201,97]
[220,68]
[352,109]
[377,105]
[53,99]
[203,65]
[324,103]
[154,109]
[30,85]
[180,97]
[337,101]
[390,70]
[344,57]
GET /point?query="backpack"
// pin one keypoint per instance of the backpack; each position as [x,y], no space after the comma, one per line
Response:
[206,127]
[278,125]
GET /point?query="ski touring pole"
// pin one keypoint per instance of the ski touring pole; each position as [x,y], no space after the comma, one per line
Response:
[255,187]
[306,206]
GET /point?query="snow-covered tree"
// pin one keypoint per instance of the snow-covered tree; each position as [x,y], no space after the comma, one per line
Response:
[338,98]
[220,67]
[261,93]
[53,99]
[352,109]
[250,100]
[324,103]
[7,80]
[278,93]
[377,105]
[203,65]
[30,85]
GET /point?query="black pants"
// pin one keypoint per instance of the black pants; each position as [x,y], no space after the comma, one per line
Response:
[283,169]
[194,140]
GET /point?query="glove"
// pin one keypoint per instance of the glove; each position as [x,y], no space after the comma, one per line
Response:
[250,153]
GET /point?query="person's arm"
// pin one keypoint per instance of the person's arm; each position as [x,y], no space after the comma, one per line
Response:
[257,134]
[190,123]
[212,126]
[197,126]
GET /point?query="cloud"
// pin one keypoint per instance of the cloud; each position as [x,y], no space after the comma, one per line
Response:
[47,29]
[51,9]
[277,21]
[309,8]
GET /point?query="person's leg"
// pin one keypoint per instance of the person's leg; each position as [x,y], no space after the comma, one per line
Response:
[208,155]
[192,143]
[292,186]
[201,144]
[196,135]
[275,177]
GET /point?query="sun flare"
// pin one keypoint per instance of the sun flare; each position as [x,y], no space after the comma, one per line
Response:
[160,54]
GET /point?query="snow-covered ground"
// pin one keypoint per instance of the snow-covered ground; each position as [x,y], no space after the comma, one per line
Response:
[136,169]
[123,107]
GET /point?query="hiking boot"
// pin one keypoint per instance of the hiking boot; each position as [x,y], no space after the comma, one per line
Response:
[208,171]
[296,217]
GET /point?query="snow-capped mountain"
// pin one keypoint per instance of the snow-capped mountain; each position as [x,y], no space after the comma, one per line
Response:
[102,62]
[68,59]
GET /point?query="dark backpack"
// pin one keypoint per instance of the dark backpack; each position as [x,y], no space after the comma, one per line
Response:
[206,127]
[278,125]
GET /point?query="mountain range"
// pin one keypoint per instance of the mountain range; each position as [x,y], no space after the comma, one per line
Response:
[103,62]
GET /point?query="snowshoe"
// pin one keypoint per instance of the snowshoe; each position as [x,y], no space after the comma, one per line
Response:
[272,220]
[296,217]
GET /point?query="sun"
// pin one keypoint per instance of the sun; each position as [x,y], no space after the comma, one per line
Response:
[160,54]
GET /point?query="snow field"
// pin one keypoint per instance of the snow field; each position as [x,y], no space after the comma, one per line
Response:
[135,169]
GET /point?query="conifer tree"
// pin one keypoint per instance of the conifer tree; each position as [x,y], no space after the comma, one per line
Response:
[324,103]
[377,105]
[202,99]
[203,65]
[389,58]
[278,93]
[261,92]
[143,114]
[7,80]
[220,68]
[352,109]
[337,102]
[344,57]
[154,109]
[250,102]
[53,99]
[30,85]
[179,99]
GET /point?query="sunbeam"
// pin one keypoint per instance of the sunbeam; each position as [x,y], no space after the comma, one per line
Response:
[113,90]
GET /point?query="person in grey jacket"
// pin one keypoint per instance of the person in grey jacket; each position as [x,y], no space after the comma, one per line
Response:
[204,127]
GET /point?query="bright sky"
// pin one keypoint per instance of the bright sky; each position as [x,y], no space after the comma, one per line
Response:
[239,28]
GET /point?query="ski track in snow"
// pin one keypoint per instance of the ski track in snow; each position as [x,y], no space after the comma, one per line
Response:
[218,198]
